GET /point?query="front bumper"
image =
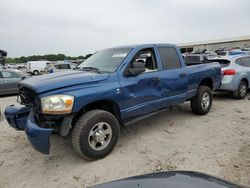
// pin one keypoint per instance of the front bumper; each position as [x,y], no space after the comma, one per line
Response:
[21,118]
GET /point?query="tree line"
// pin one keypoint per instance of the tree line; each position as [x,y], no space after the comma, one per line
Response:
[49,57]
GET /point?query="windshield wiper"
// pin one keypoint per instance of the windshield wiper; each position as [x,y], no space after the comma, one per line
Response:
[91,69]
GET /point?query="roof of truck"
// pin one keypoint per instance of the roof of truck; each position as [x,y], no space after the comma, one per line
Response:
[141,45]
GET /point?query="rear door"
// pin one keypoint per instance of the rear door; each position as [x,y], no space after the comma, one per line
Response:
[173,76]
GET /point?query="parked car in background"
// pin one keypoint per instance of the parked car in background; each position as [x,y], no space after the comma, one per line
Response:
[59,67]
[35,67]
[235,74]
[9,80]
[230,53]
[113,87]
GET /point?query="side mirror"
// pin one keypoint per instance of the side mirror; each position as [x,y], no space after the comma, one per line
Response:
[23,77]
[136,68]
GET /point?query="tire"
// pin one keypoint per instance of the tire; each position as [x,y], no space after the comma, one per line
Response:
[35,72]
[241,92]
[202,102]
[86,131]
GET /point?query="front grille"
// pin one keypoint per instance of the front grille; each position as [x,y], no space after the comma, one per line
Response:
[26,96]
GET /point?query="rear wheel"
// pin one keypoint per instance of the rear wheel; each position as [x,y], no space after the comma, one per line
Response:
[35,72]
[202,102]
[95,134]
[241,92]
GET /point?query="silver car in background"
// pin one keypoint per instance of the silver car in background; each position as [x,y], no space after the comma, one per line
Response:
[9,80]
[235,72]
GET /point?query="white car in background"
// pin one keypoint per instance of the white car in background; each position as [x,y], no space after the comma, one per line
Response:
[36,67]
[59,67]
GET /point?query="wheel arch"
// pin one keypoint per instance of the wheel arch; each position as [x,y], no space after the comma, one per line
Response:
[207,82]
[105,104]
[245,80]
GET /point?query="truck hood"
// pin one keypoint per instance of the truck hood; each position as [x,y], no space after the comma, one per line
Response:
[59,80]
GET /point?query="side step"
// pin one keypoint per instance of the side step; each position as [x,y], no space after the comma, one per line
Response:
[136,119]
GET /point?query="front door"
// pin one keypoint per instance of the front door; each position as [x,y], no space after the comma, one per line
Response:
[142,93]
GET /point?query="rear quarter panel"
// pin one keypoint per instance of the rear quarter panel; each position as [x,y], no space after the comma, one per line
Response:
[197,73]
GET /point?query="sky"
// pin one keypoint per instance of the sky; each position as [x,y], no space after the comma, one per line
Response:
[79,27]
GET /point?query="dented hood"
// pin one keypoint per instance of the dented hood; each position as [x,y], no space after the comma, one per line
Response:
[58,80]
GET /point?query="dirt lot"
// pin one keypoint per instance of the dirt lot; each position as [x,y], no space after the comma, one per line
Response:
[216,144]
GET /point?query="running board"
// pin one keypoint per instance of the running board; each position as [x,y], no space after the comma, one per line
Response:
[136,119]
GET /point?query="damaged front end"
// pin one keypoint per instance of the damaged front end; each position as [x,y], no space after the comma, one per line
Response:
[23,118]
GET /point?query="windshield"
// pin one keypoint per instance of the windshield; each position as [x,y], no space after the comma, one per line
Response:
[106,60]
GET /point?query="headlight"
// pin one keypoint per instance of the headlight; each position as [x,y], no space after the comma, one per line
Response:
[57,104]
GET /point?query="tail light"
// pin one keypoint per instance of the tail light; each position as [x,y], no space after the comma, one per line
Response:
[228,72]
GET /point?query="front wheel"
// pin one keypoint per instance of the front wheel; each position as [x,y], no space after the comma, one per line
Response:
[202,102]
[95,134]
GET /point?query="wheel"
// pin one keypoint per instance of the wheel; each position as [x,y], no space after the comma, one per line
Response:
[95,134]
[241,92]
[35,72]
[202,102]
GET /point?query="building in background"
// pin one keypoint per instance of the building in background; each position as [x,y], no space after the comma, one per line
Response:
[213,45]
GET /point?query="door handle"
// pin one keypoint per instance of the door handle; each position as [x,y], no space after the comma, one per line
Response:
[182,75]
[155,79]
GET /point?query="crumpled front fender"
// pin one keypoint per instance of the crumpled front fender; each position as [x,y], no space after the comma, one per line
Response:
[38,137]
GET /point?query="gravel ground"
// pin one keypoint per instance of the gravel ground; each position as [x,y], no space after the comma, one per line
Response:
[217,144]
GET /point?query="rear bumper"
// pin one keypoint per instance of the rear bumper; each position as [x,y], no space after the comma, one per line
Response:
[21,118]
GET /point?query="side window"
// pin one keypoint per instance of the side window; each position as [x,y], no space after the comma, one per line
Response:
[245,62]
[65,66]
[146,56]
[169,58]
[6,74]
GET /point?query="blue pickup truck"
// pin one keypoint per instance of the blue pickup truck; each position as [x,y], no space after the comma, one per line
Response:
[111,88]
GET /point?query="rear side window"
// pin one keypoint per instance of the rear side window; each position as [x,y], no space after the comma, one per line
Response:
[192,60]
[169,58]
[63,66]
[245,62]
[222,62]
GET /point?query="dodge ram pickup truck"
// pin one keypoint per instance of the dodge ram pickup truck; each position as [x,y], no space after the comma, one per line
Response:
[112,88]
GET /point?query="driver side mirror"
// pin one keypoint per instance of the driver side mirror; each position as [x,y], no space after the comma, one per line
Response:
[136,68]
